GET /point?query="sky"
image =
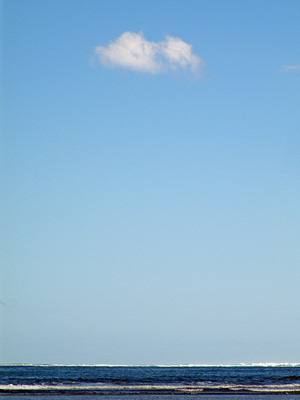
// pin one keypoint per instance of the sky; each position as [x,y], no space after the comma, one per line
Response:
[151,175]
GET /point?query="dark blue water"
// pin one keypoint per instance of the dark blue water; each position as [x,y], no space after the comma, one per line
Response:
[143,382]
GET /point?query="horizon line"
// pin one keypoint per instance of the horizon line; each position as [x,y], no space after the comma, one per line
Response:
[260,364]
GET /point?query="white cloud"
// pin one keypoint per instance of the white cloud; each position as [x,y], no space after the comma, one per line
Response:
[288,68]
[131,50]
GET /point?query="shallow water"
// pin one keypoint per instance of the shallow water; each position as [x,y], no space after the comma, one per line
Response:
[152,397]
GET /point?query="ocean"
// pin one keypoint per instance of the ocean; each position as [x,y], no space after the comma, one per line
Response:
[265,381]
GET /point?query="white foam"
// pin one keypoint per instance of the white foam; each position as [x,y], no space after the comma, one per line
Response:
[266,364]
[272,364]
[252,388]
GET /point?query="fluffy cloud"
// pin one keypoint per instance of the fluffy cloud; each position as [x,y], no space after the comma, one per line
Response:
[288,68]
[131,50]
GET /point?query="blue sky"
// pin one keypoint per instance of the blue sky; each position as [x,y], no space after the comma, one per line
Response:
[152,199]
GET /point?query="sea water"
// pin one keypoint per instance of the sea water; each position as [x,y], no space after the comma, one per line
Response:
[280,381]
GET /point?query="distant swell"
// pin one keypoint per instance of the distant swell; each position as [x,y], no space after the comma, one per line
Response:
[110,381]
